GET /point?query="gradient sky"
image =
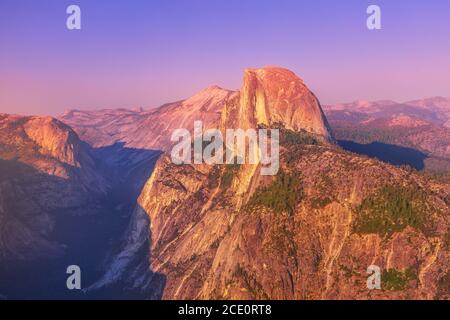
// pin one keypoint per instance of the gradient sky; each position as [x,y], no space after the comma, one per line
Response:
[133,53]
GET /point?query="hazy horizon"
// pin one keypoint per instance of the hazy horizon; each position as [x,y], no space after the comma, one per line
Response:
[146,54]
[168,102]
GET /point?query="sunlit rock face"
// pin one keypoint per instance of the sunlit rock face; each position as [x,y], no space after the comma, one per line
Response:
[54,139]
[274,95]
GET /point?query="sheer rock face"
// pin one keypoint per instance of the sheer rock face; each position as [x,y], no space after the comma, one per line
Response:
[54,139]
[277,96]
[47,145]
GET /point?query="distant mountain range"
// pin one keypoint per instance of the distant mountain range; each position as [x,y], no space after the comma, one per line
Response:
[421,127]
[435,110]
[98,189]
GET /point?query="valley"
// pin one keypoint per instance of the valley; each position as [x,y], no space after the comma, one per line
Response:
[55,213]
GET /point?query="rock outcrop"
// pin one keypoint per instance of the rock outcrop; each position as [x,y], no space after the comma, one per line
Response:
[45,171]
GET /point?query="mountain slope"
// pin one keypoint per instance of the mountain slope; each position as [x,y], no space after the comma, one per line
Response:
[319,245]
[310,232]
[147,129]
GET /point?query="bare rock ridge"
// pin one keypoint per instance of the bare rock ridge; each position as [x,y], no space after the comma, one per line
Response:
[49,146]
[147,129]
[268,96]
[54,139]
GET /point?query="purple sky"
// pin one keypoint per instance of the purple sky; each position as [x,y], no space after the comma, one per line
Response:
[133,53]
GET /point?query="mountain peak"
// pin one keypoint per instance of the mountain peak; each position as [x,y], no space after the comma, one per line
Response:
[209,95]
[272,72]
[274,95]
